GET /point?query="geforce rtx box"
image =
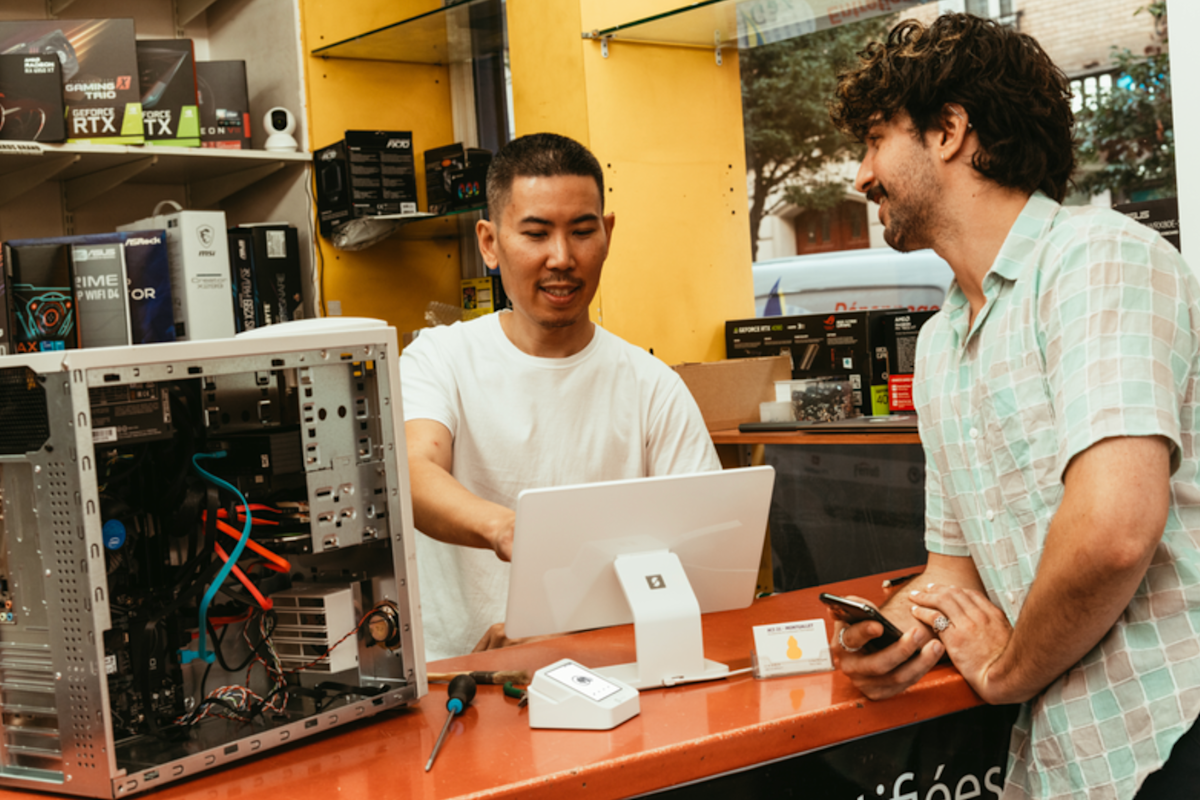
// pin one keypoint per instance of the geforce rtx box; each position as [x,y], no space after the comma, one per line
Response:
[99,70]
[224,104]
[31,93]
[167,75]
[198,252]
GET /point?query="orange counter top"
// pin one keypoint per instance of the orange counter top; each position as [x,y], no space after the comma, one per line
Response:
[685,733]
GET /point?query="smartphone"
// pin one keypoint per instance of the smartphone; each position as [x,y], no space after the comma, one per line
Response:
[852,611]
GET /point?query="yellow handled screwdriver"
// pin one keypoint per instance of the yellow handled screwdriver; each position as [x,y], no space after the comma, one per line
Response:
[462,692]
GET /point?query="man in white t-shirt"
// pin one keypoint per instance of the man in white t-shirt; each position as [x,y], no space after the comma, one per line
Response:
[532,397]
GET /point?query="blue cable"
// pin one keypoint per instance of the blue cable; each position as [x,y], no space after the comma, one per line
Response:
[202,651]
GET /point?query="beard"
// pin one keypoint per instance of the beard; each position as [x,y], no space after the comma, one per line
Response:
[911,216]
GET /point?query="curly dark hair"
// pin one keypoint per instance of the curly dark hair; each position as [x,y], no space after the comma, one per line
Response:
[538,155]
[1018,101]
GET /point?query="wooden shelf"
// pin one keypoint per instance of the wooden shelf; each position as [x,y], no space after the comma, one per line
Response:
[734,436]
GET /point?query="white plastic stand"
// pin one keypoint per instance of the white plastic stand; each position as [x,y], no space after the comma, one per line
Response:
[567,695]
[666,624]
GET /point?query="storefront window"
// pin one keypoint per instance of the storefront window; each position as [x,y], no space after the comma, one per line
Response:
[799,167]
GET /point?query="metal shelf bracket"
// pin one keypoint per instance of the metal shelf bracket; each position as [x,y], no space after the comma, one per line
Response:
[210,191]
[188,10]
[717,41]
[21,181]
[88,187]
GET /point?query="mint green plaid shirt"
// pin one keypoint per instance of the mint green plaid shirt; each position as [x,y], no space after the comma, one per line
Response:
[1091,330]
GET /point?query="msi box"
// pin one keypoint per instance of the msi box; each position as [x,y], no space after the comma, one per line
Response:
[167,73]
[99,70]
[382,176]
[454,177]
[820,345]
[43,304]
[198,251]
[224,104]
[31,94]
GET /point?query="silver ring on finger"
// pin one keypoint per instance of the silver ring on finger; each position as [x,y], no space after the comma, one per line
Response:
[842,642]
[941,624]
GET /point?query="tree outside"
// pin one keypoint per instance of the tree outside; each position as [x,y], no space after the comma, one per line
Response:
[792,149]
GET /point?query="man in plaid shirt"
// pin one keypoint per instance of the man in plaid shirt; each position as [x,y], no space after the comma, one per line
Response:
[1057,392]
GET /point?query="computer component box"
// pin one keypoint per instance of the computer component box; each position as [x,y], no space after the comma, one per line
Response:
[31,91]
[124,637]
[224,104]
[99,70]
[167,76]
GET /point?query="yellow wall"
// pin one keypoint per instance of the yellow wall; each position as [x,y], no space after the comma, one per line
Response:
[665,123]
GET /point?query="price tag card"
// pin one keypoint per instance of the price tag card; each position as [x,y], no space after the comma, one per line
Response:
[791,648]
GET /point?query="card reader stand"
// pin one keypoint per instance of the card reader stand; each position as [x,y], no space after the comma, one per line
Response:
[666,624]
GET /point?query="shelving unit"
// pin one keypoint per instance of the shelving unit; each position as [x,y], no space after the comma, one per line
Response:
[442,36]
[58,189]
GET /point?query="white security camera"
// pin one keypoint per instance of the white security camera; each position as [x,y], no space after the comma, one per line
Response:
[280,122]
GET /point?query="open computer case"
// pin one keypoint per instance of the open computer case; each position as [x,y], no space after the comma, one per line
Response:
[131,653]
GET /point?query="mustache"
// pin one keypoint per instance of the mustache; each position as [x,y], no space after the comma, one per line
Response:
[876,193]
[559,279]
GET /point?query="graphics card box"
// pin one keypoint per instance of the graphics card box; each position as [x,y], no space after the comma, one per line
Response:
[331,172]
[820,345]
[99,70]
[167,75]
[894,345]
[382,175]
[224,104]
[198,253]
[455,177]
[276,266]
[245,293]
[43,303]
[31,93]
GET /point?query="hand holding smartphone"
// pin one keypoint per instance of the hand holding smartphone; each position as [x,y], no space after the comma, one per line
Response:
[854,611]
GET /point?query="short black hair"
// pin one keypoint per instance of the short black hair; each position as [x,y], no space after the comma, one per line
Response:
[538,155]
[1018,101]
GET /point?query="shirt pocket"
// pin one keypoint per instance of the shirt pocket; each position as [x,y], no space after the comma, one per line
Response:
[1021,440]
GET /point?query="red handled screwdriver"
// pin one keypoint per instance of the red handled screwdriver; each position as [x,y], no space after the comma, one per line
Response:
[462,692]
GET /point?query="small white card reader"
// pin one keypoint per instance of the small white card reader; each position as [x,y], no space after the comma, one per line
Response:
[568,695]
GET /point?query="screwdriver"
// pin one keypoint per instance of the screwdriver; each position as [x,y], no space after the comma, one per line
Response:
[462,692]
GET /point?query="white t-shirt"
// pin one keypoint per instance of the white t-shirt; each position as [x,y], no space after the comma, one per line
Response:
[609,412]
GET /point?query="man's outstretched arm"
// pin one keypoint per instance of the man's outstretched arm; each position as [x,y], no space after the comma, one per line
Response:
[442,507]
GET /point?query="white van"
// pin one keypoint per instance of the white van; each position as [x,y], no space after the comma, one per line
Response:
[851,280]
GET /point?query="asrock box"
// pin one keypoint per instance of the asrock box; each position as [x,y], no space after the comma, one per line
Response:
[167,74]
[31,96]
[454,177]
[382,174]
[198,253]
[820,345]
[43,303]
[99,69]
[224,104]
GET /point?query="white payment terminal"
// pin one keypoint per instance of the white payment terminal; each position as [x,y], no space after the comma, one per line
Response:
[567,695]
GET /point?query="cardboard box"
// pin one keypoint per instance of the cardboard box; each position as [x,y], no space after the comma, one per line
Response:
[224,102]
[148,270]
[728,392]
[276,266]
[382,173]
[101,297]
[894,345]
[167,75]
[332,175]
[820,345]
[455,177]
[100,73]
[246,308]
[198,252]
[31,92]
[478,296]
[1161,215]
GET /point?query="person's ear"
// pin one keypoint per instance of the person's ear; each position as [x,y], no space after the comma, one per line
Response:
[486,232]
[955,127]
